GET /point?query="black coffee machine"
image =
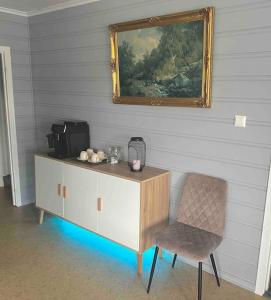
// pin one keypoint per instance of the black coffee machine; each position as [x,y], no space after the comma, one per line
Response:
[68,139]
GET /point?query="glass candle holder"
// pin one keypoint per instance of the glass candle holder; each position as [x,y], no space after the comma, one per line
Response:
[136,154]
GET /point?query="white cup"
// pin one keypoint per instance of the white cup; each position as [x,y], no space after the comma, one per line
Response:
[83,155]
[94,158]
[101,154]
[89,152]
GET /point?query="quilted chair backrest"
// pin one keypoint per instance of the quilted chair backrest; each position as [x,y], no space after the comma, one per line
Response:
[203,203]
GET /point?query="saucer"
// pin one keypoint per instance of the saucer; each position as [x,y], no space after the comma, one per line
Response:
[98,162]
[78,158]
[95,163]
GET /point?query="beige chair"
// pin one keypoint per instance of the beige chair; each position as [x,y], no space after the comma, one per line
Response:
[199,226]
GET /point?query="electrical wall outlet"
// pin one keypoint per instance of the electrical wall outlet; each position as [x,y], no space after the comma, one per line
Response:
[240,121]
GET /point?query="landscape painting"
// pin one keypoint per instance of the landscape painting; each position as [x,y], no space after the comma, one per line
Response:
[163,61]
[162,64]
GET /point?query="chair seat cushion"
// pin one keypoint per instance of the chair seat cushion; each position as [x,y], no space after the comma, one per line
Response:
[188,241]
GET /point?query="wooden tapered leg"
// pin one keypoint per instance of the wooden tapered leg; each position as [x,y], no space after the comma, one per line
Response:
[41,216]
[160,252]
[139,263]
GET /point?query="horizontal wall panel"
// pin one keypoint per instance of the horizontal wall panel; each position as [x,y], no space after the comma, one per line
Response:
[240,66]
[246,215]
[248,175]
[70,70]
[25,123]
[71,57]
[94,39]
[14,29]
[26,148]
[83,26]
[200,147]
[226,65]
[14,43]
[239,249]
[172,125]
[237,153]
[243,233]
[241,270]
[24,98]
[254,41]
[250,88]
[21,58]
[22,84]
[75,86]
[140,9]
[259,13]
[222,108]
[244,171]
[21,70]
[26,137]
[229,88]
[24,109]
[248,195]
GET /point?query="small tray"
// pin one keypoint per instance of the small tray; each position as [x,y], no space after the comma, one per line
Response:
[90,162]
[78,158]
[97,163]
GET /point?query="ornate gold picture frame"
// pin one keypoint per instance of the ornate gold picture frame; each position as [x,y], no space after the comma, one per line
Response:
[165,60]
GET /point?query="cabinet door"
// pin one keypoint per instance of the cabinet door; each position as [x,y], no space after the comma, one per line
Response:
[80,203]
[49,178]
[119,216]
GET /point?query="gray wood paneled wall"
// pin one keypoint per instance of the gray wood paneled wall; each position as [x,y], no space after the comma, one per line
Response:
[72,79]
[14,33]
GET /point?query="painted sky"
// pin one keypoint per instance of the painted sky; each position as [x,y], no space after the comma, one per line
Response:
[142,40]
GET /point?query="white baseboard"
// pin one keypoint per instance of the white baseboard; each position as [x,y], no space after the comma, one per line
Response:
[1,181]
[231,278]
[28,201]
[223,275]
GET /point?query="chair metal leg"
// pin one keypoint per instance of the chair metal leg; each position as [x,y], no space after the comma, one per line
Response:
[200,281]
[214,267]
[174,260]
[152,268]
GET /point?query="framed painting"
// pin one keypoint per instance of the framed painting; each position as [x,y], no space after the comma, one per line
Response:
[165,60]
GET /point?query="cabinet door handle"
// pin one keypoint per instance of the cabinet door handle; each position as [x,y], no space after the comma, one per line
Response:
[100,204]
[64,192]
[59,190]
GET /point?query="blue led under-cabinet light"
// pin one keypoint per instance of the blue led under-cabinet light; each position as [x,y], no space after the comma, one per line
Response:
[76,235]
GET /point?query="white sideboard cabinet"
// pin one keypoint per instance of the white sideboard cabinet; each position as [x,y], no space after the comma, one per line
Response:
[110,200]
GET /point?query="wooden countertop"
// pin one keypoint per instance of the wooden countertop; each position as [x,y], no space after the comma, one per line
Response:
[120,170]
